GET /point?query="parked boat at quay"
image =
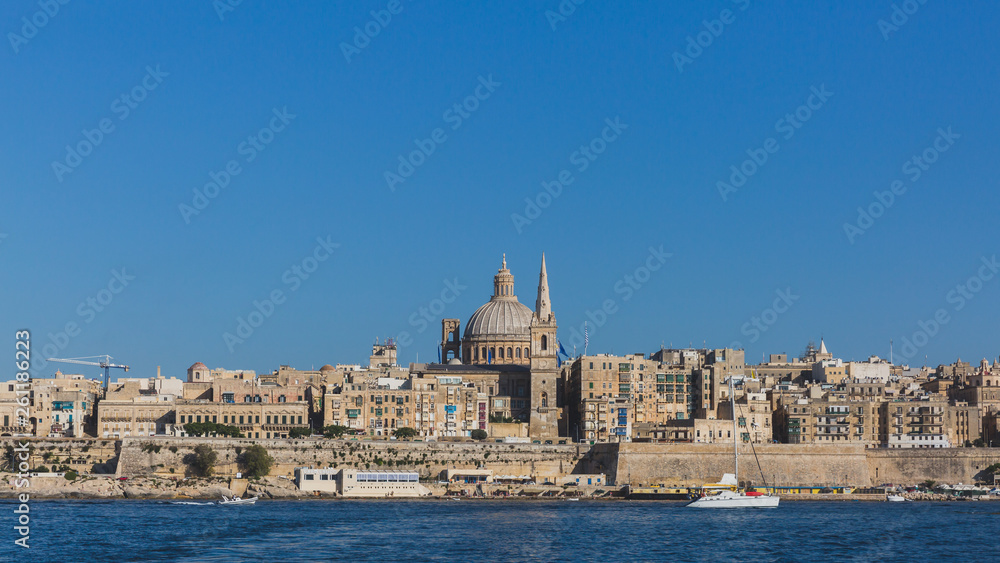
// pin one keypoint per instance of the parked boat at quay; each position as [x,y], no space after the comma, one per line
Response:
[726,493]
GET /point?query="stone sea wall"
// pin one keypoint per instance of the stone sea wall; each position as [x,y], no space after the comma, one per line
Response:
[790,465]
[633,463]
[165,456]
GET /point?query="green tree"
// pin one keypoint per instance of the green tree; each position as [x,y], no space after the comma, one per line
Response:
[71,475]
[209,428]
[404,433]
[334,431]
[479,434]
[202,461]
[300,433]
[256,461]
[929,484]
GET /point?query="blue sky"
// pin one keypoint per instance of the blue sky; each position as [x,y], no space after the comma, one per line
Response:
[204,92]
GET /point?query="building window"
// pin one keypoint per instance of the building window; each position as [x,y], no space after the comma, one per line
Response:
[519,353]
[269,420]
[501,351]
[241,420]
[300,420]
[545,342]
[199,418]
[526,352]
[510,353]
[284,419]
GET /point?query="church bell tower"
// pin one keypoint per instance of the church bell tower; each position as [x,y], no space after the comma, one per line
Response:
[544,420]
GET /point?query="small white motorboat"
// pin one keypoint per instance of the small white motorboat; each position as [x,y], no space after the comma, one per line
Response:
[237,500]
[897,498]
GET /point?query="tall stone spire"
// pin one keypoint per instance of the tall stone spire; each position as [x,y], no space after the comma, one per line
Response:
[543,307]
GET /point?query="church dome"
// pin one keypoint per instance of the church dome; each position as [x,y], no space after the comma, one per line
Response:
[198,365]
[503,317]
[500,318]
[327,367]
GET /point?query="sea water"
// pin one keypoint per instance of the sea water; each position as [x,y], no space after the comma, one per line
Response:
[506,530]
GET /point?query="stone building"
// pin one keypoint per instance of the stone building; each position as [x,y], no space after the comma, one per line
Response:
[131,409]
[617,398]
[258,409]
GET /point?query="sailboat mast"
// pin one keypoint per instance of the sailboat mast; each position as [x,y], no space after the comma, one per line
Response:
[732,408]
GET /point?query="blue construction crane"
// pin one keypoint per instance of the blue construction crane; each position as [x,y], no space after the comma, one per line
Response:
[106,364]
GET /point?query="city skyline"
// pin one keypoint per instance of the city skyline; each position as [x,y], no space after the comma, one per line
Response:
[830,161]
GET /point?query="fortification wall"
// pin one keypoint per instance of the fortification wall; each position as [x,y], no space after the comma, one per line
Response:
[82,455]
[165,456]
[792,465]
[632,463]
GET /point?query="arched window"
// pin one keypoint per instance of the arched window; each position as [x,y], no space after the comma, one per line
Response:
[519,353]
[545,399]
[525,351]
[510,353]
[545,342]
[493,353]
[453,336]
[484,353]
[501,351]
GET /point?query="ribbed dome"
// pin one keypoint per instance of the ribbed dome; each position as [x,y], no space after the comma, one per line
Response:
[198,365]
[500,317]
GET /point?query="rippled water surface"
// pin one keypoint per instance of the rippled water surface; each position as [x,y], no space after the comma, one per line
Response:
[432,530]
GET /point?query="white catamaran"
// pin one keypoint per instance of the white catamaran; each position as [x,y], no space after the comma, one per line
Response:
[725,494]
